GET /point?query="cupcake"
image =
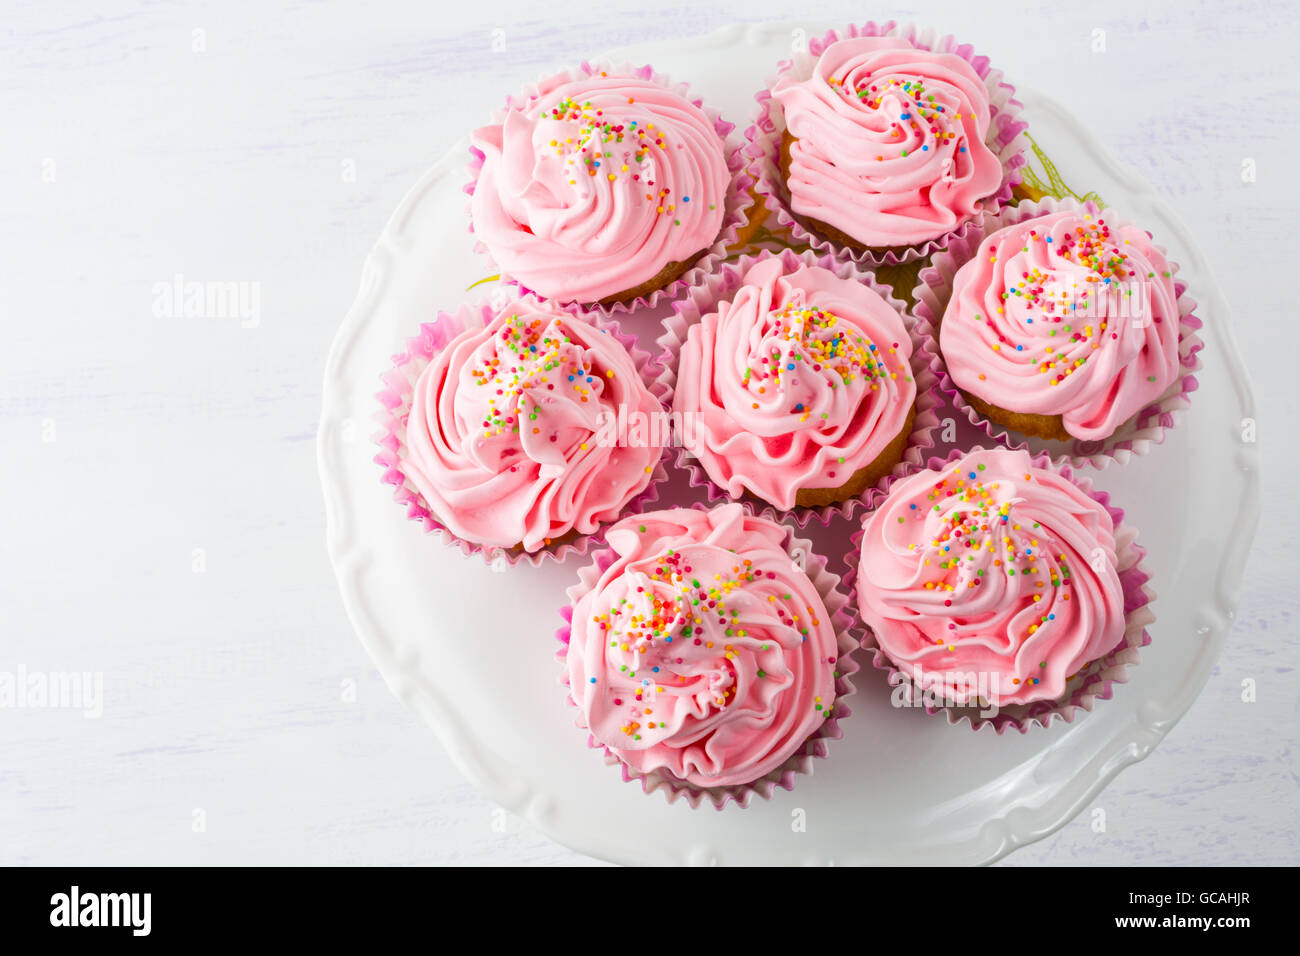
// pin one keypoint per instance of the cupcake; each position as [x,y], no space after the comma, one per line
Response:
[1062,325]
[884,141]
[603,186]
[501,426]
[703,658]
[794,383]
[996,583]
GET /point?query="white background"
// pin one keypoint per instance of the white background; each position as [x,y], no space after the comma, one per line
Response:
[129,441]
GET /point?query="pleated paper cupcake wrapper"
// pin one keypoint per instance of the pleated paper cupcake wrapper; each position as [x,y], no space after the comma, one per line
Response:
[703,299]
[1134,437]
[395,400]
[1005,138]
[1094,682]
[737,202]
[801,762]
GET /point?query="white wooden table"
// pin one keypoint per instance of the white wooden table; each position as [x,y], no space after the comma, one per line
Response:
[162,522]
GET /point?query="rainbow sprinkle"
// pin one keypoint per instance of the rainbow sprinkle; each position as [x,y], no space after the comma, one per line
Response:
[971,521]
[816,339]
[544,357]
[922,120]
[591,152]
[640,635]
[1068,324]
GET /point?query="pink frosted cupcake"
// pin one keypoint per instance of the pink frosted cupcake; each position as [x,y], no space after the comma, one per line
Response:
[796,383]
[703,657]
[501,426]
[603,186]
[885,140]
[999,588]
[1063,322]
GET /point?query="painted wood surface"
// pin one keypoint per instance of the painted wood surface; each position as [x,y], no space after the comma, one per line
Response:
[163,524]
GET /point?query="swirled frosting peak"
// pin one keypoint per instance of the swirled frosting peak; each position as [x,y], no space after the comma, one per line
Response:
[797,381]
[1071,313]
[889,141]
[702,650]
[597,184]
[991,578]
[504,435]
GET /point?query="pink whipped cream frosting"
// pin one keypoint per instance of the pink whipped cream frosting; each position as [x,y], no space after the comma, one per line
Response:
[598,183]
[991,574]
[502,441]
[1071,314]
[702,650]
[890,141]
[797,381]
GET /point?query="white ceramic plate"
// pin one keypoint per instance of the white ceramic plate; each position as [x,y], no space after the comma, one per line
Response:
[473,650]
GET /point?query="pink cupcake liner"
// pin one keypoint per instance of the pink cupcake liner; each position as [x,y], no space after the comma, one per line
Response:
[799,763]
[395,400]
[736,204]
[1093,683]
[703,298]
[1005,138]
[1134,437]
